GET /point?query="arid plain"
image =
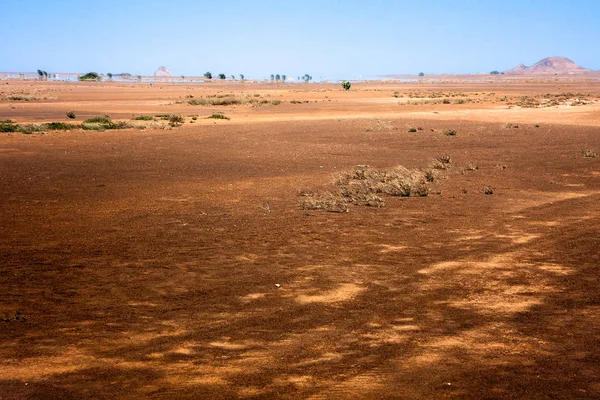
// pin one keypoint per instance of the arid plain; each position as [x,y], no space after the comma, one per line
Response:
[178,262]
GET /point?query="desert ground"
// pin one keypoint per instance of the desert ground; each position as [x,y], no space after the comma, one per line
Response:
[197,261]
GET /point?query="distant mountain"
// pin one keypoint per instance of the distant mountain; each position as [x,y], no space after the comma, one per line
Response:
[162,71]
[517,70]
[550,65]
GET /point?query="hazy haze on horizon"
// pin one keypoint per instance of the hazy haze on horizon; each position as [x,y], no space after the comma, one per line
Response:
[327,39]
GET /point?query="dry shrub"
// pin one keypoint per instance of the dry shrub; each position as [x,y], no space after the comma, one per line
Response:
[589,153]
[363,185]
[323,201]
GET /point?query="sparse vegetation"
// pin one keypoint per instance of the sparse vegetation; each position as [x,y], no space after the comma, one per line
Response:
[488,190]
[218,116]
[589,153]
[208,75]
[176,120]
[143,118]
[325,201]
[364,186]
[98,120]
[441,163]
[346,85]
[450,132]
[18,317]
[412,130]
[8,126]
[22,98]
[223,101]
[222,76]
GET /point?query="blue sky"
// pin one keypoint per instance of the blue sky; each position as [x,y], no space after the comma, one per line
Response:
[329,39]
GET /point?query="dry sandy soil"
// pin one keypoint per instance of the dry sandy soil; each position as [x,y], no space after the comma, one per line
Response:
[177,263]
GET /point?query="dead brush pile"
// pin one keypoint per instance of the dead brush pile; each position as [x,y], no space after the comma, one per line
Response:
[365,185]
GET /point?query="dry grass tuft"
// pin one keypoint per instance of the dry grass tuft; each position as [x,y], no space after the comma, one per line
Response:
[589,153]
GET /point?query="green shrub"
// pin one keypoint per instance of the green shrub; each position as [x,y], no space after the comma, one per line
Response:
[450,132]
[218,116]
[8,126]
[143,118]
[99,120]
[71,114]
[59,126]
[412,130]
[346,85]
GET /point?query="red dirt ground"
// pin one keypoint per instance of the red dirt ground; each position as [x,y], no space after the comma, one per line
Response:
[177,263]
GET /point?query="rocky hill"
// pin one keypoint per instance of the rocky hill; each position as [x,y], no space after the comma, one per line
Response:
[550,65]
[162,71]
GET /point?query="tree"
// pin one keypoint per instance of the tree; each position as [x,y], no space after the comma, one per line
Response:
[109,75]
[272,77]
[494,73]
[421,74]
[91,76]
[283,77]
[222,76]
[346,85]
[208,75]
[183,77]
[277,77]
[41,73]
[232,77]
[307,78]
[242,76]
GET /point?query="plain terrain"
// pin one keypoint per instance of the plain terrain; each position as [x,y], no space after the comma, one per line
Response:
[177,263]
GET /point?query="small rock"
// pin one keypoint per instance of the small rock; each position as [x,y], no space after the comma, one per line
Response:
[277,285]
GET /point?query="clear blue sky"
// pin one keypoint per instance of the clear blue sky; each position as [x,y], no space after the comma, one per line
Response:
[330,39]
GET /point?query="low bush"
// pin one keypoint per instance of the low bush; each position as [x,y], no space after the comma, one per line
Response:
[176,119]
[8,126]
[143,118]
[99,120]
[22,98]
[218,116]
[450,132]
[71,114]
[589,153]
